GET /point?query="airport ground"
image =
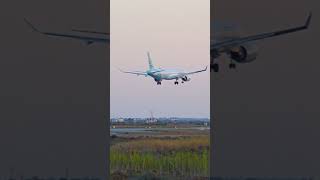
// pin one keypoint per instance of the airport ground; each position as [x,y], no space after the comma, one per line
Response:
[158,152]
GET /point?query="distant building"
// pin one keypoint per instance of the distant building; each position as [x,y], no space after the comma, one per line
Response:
[120,120]
[151,121]
[130,120]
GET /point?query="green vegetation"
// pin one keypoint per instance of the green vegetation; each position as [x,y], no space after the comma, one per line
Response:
[174,157]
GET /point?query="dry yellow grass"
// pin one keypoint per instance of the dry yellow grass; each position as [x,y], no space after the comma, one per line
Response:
[170,156]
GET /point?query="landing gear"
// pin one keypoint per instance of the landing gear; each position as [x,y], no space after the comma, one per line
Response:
[158,82]
[232,66]
[215,67]
[176,82]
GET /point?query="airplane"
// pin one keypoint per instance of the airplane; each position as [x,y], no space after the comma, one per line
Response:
[159,74]
[238,49]
[241,49]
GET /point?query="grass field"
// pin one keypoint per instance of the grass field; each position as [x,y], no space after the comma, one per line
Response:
[184,156]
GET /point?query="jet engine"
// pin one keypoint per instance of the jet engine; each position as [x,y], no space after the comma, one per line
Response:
[186,78]
[244,53]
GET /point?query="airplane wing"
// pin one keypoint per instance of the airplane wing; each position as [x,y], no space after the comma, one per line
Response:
[88,31]
[237,41]
[135,72]
[194,72]
[87,39]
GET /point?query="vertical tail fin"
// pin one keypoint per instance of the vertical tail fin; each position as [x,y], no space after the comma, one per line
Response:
[150,61]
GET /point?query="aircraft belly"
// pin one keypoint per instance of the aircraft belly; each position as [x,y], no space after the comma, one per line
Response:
[163,76]
[169,76]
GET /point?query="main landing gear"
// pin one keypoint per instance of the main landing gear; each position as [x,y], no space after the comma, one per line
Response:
[215,67]
[232,66]
[176,82]
[158,82]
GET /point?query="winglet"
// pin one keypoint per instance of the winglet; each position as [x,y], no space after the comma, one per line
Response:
[308,20]
[31,26]
[206,68]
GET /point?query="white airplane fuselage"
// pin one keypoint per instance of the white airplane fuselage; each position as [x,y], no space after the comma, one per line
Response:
[167,74]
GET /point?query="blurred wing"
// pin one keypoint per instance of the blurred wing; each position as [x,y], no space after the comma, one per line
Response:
[87,39]
[92,32]
[238,41]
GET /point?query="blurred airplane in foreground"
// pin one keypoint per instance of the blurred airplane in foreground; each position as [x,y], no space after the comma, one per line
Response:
[238,49]
[159,74]
[242,49]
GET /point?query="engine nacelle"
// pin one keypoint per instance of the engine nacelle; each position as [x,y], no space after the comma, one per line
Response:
[186,78]
[244,53]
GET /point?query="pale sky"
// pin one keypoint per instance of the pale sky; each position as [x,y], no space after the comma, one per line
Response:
[177,34]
